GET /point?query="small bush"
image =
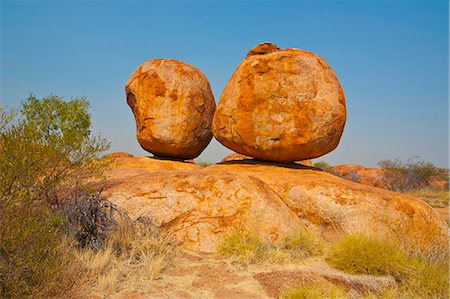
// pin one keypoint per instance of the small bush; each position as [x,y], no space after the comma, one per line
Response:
[419,276]
[46,153]
[314,291]
[324,166]
[88,219]
[303,243]
[412,174]
[33,261]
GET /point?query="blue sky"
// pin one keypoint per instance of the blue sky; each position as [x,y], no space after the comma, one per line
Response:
[391,58]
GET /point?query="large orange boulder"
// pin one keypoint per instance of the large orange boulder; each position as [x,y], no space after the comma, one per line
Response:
[281,105]
[173,107]
[202,205]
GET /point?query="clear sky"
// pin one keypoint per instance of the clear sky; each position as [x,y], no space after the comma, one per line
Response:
[391,58]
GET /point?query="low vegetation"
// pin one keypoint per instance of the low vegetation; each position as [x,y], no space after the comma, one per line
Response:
[314,291]
[59,236]
[302,243]
[323,166]
[134,254]
[46,154]
[418,276]
[414,174]
[248,248]
[435,198]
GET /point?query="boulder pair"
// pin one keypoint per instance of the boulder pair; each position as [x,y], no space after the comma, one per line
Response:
[280,105]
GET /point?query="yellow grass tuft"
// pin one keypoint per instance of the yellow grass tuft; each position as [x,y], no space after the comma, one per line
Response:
[132,258]
[247,248]
[419,276]
[314,291]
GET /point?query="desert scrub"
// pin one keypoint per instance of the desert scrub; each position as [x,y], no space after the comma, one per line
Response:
[247,248]
[418,276]
[435,198]
[243,247]
[135,253]
[410,175]
[314,291]
[46,154]
[324,166]
[33,260]
[303,243]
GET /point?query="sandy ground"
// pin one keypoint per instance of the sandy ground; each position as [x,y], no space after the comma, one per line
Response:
[211,276]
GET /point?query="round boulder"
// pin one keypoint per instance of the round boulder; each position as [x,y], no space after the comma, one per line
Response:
[281,105]
[173,107]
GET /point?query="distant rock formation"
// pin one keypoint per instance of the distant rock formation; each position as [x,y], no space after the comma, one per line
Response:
[360,174]
[173,107]
[281,105]
[202,205]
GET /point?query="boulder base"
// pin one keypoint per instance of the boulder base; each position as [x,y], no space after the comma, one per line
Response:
[201,206]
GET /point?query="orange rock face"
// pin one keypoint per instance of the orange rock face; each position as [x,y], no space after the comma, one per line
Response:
[281,105]
[360,174]
[173,107]
[202,205]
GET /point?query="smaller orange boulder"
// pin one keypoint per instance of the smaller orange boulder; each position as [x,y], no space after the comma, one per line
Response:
[173,107]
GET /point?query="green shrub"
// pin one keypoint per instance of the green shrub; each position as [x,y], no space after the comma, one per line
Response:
[46,156]
[419,276]
[303,243]
[324,166]
[314,291]
[412,174]
[33,262]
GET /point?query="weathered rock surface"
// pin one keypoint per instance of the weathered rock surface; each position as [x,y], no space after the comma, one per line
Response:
[202,205]
[360,174]
[273,282]
[173,107]
[281,105]
[235,157]
[339,206]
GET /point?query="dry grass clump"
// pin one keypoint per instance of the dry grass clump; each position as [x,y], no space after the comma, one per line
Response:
[314,291]
[359,254]
[418,276]
[243,247]
[247,248]
[133,256]
[302,243]
[435,198]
